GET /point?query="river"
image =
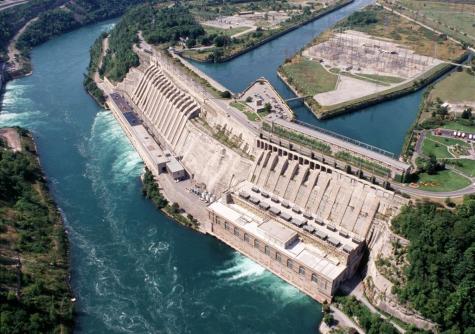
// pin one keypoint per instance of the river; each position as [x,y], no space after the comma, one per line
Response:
[384,125]
[133,270]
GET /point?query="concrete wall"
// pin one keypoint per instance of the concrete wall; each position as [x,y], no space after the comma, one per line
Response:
[166,109]
[334,196]
[211,162]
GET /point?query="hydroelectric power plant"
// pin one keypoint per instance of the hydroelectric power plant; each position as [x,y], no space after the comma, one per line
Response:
[303,202]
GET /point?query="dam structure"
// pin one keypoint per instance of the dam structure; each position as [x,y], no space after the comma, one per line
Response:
[292,208]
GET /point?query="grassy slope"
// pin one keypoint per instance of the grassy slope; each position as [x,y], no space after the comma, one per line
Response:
[457,87]
[228,32]
[466,166]
[445,180]
[439,150]
[456,15]
[459,127]
[309,77]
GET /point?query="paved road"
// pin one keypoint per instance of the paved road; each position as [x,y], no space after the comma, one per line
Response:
[11,3]
[444,194]
[355,288]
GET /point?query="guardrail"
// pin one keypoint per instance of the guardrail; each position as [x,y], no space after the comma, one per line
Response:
[347,139]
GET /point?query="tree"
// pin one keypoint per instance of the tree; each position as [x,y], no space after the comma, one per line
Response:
[328,319]
[440,277]
[432,166]
[467,113]
[226,94]
[190,42]
[222,40]
[267,107]
[175,208]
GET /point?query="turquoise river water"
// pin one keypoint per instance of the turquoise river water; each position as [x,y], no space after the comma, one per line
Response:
[133,270]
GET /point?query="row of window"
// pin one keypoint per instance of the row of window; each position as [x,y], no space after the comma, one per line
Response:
[277,255]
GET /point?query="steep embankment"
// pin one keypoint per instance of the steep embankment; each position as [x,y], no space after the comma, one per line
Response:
[35,22]
[34,253]
[434,272]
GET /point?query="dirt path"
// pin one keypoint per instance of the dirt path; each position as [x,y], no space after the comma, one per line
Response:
[104,48]
[12,138]
[15,60]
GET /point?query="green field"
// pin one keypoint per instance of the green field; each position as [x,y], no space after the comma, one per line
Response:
[466,166]
[228,32]
[382,78]
[430,147]
[443,15]
[448,141]
[445,180]
[457,87]
[309,77]
[439,146]
[251,115]
[459,127]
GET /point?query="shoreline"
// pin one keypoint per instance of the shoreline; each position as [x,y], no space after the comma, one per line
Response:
[410,87]
[59,269]
[276,35]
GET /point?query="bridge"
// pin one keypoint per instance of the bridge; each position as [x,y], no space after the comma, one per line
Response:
[297,98]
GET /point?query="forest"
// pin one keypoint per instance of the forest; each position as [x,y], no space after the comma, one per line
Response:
[441,271]
[158,25]
[34,264]
[89,83]
[12,19]
[53,20]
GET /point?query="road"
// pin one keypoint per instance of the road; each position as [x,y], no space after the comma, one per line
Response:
[422,24]
[14,58]
[11,3]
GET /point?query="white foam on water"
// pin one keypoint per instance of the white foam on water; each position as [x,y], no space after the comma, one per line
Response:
[242,271]
[158,248]
[109,142]
[26,119]
[14,95]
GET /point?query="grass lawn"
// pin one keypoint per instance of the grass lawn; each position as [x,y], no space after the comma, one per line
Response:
[439,150]
[445,180]
[467,167]
[458,15]
[454,125]
[457,87]
[238,105]
[309,77]
[228,32]
[382,78]
[252,116]
[448,141]
[360,77]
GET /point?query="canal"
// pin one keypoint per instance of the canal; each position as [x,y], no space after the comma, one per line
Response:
[384,125]
[133,270]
